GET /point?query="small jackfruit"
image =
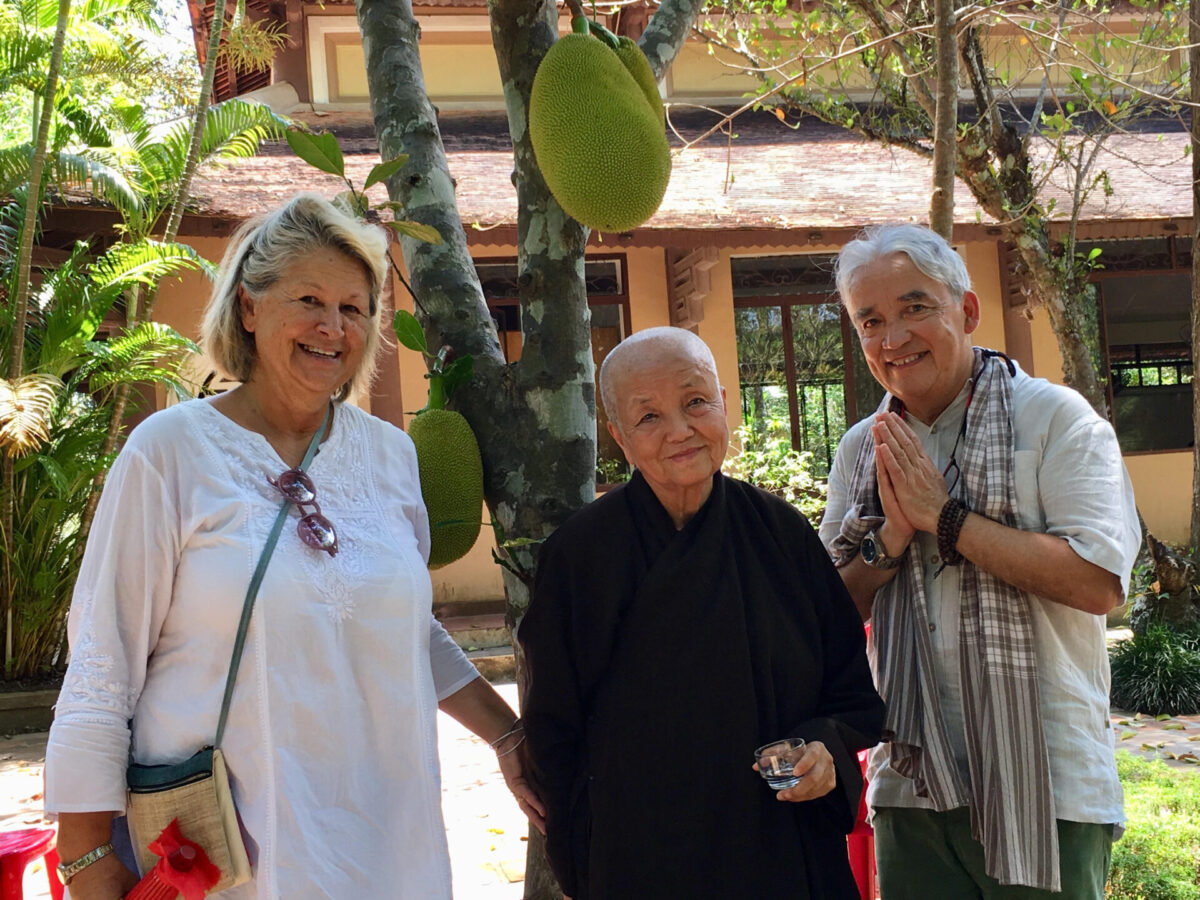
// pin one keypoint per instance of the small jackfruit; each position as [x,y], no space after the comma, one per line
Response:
[451,482]
[596,124]
[636,64]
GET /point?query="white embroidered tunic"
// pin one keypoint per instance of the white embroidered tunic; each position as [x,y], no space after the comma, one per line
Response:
[331,741]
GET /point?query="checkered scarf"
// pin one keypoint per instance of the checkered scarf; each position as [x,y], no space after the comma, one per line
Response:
[1012,807]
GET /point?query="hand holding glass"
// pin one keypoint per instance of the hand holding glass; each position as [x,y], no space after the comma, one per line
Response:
[777,762]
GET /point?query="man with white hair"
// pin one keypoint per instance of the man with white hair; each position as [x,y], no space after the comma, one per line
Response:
[678,623]
[984,524]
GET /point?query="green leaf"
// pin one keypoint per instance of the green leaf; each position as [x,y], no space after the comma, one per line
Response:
[319,150]
[416,230]
[409,332]
[1094,252]
[385,170]
[353,203]
[458,374]
[55,473]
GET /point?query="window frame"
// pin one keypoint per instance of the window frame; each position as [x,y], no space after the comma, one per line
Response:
[1099,278]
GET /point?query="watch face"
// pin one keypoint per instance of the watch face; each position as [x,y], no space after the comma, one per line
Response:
[869,551]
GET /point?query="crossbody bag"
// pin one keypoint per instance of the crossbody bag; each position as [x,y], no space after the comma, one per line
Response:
[196,792]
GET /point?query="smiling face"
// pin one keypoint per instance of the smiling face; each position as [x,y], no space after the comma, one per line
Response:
[672,427]
[915,334]
[310,326]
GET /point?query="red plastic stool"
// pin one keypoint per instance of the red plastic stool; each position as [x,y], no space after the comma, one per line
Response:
[19,848]
[860,844]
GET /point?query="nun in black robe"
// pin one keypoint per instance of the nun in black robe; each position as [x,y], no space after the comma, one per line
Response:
[659,659]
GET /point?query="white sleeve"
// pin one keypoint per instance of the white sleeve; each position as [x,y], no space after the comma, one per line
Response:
[837,497]
[452,671]
[121,599]
[1086,494]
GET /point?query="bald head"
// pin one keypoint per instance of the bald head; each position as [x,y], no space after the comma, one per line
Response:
[645,350]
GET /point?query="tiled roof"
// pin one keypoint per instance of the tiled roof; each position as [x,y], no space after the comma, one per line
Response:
[770,178]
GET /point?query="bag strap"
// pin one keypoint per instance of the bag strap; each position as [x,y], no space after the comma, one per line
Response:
[239,644]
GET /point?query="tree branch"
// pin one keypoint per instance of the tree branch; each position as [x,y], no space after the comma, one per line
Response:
[668,29]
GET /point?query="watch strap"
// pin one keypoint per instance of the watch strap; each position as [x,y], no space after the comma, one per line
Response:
[67,871]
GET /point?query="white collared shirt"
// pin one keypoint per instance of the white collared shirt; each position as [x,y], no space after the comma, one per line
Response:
[1071,482]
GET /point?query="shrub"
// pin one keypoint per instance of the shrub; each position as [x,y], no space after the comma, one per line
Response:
[1159,856]
[1155,672]
[772,464]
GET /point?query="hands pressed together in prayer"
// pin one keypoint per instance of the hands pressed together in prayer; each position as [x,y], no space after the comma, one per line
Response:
[817,773]
[911,489]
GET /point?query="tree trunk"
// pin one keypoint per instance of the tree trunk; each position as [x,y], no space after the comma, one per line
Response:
[16,363]
[1194,85]
[995,164]
[941,202]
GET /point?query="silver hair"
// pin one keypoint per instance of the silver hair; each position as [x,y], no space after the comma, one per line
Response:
[644,346]
[928,250]
[259,254]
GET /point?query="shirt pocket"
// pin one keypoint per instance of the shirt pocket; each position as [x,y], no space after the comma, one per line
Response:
[1030,515]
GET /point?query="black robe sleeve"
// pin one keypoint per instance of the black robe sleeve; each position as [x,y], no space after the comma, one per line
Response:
[553,712]
[851,713]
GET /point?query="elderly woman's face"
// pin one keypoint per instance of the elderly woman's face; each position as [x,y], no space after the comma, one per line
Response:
[672,418]
[310,326]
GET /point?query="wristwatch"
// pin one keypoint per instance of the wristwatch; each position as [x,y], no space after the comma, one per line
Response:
[67,871]
[874,554]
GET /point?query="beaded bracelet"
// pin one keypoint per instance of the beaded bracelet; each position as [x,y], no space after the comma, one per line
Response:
[517,726]
[950,523]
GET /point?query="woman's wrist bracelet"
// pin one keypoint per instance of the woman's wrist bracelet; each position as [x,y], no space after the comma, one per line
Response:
[950,522]
[501,755]
[518,727]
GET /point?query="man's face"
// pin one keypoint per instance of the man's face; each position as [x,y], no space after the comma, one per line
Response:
[915,334]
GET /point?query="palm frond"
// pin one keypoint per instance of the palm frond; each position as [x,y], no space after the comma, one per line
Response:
[23,55]
[67,170]
[151,352]
[26,404]
[14,167]
[145,262]
[87,127]
[232,130]
[101,56]
[140,12]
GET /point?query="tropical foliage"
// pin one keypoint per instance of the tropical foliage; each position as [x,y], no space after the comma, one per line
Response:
[768,461]
[1157,672]
[77,335]
[77,370]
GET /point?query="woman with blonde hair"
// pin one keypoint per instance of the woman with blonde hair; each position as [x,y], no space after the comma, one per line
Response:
[330,741]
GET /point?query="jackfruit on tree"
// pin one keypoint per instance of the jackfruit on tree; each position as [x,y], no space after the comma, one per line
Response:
[451,482]
[597,127]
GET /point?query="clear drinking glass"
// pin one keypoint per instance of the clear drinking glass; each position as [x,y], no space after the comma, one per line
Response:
[777,760]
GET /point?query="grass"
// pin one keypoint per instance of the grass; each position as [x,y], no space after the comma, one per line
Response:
[1159,856]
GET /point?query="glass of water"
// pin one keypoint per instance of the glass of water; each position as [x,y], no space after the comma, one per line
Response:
[777,760]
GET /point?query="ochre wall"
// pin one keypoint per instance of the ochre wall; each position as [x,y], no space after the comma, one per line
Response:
[1162,484]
